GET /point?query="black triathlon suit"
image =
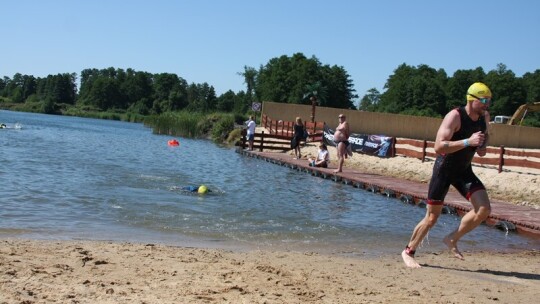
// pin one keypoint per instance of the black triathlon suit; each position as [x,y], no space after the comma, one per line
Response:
[455,168]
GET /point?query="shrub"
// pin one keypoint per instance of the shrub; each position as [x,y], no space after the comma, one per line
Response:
[222,128]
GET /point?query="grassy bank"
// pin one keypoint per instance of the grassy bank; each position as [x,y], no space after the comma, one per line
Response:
[220,127]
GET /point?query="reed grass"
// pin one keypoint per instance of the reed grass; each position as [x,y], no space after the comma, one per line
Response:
[215,126]
[184,124]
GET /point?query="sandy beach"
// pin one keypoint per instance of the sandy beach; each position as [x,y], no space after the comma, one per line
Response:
[34,271]
[101,272]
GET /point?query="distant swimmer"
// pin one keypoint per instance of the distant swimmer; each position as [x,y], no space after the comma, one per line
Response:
[202,189]
[16,126]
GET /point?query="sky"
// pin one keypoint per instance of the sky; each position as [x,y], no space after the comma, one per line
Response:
[212,40]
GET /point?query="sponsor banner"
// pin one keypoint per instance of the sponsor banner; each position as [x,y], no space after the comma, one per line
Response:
[378,145]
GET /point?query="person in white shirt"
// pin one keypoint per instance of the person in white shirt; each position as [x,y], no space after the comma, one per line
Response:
[251,124]
[322,158]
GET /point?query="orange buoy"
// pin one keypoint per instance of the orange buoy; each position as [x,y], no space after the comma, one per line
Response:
[173,142]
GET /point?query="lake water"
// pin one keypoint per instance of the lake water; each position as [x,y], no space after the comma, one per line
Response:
[77,178]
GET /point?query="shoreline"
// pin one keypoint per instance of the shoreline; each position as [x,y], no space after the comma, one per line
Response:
[109,272]
[94,271]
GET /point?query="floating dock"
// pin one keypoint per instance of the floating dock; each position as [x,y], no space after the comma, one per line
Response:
[504,216]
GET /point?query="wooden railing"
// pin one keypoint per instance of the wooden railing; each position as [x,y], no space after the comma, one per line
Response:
[265,141]
[499,157]
[286,128]
[281,132]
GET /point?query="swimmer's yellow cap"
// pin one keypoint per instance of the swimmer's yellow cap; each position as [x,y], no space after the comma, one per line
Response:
[478,89]
[202,189]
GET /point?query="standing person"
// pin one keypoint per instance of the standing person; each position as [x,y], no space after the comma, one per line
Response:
[341,138]
[462,133]
[251,124]
[298,136]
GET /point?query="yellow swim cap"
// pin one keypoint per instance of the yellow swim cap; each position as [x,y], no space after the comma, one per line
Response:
[202,189]
[478,89]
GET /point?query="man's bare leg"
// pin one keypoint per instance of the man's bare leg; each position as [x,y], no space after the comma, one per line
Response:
[452,245]
[340,148]
[473,218]
[420,231]
[340,165]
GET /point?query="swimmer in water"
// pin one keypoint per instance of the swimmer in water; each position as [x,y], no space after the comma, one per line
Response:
[202,189]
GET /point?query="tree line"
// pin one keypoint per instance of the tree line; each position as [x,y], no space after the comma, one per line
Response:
[410,90]
[425,91]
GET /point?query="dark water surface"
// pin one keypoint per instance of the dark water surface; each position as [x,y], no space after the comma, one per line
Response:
[77,178]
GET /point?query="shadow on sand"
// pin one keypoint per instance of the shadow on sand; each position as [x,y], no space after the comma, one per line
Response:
[520,275]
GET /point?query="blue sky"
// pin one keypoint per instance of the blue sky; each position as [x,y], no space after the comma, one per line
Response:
[211,40]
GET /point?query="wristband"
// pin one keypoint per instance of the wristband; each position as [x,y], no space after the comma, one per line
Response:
[466,143]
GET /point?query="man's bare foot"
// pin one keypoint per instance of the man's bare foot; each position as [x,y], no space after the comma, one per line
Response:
[453,247]
[409,260]
[337,171]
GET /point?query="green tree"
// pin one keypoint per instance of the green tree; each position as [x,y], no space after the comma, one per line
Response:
[47,106]
[3,83]
[240,103]
[17,95]
[209,97]
[396,98]
[531,81]
[201,98]
[415,91]
[303,73]
[141,106]
[67,87]
[285,79]
[370,101]
[88,77]
[29,86]
[250,79]
[225,102]
[103,94]
[137,88]
[315,93]
[339,88]
[13,88]
[316,90]
[272,82]
[170,93]
[507,90]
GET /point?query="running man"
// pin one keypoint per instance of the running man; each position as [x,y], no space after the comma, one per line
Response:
[462,133]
